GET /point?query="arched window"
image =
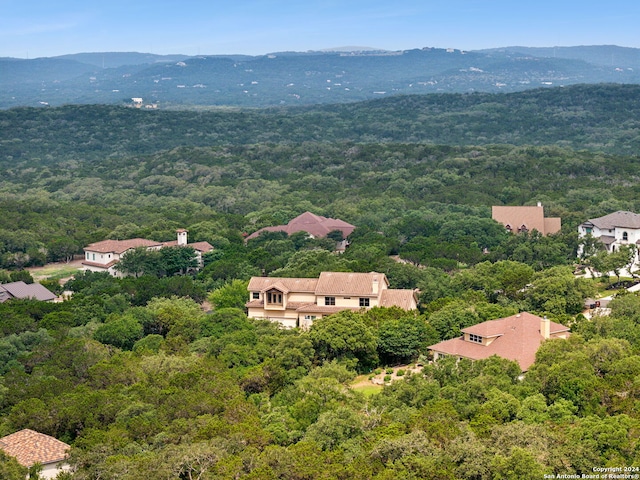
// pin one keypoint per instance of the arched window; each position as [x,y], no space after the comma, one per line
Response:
[625,236]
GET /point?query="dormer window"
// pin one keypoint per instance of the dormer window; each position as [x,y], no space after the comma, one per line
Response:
[475,338]
[523,229]
[508,227]
[274,297]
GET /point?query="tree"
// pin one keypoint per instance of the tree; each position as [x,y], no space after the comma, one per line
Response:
[404,338]
[230,295]
[10,469]
[344,335]
[177,260]
[139,261]
[122,332]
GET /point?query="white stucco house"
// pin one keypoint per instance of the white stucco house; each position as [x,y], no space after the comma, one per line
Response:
[613,230]
[103,256]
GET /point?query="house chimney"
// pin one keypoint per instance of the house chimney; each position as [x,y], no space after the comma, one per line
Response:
[182,237]
[374,286]
[539,204]
[545,327]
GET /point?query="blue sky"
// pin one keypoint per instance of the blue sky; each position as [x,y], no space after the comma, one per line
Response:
[42,28]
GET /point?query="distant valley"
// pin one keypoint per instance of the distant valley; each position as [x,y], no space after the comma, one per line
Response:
[291,78]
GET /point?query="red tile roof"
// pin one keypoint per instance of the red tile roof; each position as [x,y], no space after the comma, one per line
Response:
[120,246]
[29,447]
[515,338]
[203,247]
[315,225]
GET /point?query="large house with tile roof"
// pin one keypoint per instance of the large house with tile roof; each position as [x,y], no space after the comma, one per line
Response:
[614,230]
[29,447]
[525,219]
[103,256]
[297,302]
[516,338]
[316,226]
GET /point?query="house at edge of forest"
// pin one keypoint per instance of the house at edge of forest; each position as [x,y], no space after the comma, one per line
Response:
[517,338]
[315,225]
[22,290]
[103,256]
[526,219]
[297,302]
[613,230]
[29,447]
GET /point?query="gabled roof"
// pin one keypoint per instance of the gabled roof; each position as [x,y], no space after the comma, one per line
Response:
[202,247]
[315,225]
[350,283]
[515,338]
[532,217]
[120,246]
[620,219]
[259,284]
[26,290]
[405,299]
[29,447]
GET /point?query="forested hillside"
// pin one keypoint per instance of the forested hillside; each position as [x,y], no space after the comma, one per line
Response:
[162,376]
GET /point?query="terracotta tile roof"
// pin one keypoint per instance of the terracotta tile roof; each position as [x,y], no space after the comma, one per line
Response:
[29,447]
[620,219]
[516,338]
[100,265]
[315,225]
[532,217]
[120,246]
[350,283]
[203,247]
[405,299]
[258,284]
[27,290]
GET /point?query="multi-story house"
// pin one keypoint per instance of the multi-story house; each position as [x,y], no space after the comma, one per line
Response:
[297,302]
[103,256]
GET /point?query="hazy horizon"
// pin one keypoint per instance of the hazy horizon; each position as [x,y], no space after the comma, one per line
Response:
[257,27]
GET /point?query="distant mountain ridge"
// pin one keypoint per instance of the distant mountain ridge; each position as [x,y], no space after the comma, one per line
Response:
[346,74]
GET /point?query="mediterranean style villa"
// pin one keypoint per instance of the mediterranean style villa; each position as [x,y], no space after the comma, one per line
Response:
[525,219]
[315,225]
[103,256]
[29,447]
[297,302]
[515,338]
[613,230]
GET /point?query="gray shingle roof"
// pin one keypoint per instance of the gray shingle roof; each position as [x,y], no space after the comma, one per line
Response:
[24,290]
[619,219]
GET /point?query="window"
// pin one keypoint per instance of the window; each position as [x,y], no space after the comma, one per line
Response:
[589,230]
[625,236]
[523,229]
[508,227]
[475,338]
[274,297]
[364,302]
[255,295]
[329,300]
[309,317]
